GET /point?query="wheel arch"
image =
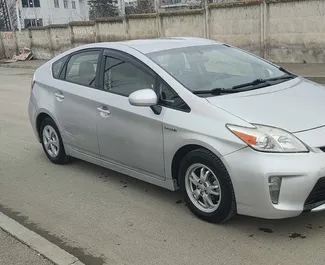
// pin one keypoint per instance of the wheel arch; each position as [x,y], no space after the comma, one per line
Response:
[181,152]
[43,114]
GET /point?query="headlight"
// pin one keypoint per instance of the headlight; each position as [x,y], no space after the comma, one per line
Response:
[269,139]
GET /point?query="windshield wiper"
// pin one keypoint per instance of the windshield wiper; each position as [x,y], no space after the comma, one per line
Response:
[216,91]
[262,81]
[287,72]
[253,83]
[219,91]
[284,77]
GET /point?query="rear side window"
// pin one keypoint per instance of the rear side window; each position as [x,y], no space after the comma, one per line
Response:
[57,66]
[82,68]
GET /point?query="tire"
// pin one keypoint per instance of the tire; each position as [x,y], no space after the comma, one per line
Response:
[50,135]
[223,206]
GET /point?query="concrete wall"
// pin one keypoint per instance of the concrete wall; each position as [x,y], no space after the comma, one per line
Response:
[142,27]
[183,24]
[296,31]
[60,39]
[23,39]
[41,43]
[239,26]
[279,30]
[111,30]
[9,44]
[2,51]
[83,33]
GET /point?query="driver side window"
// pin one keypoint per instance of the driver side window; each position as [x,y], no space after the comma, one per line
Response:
[124,78]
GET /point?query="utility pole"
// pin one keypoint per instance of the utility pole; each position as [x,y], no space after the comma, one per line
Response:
[5,18]
[17,14]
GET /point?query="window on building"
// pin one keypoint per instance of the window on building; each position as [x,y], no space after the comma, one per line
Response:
[65,4]
[29,23]
[30,3]
[73,4]
[56,4]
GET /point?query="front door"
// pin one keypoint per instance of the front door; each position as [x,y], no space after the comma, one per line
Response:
[75,101]
[128,135]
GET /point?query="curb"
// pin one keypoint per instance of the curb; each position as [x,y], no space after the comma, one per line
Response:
[18,66]
[44,247]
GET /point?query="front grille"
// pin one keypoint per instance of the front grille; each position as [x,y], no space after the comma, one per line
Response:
[322,148]
[317,195]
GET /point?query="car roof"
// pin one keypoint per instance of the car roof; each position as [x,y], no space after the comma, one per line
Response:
[156,45]
[145,46]
[152,45]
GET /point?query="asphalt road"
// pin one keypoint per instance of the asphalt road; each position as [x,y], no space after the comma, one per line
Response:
[105,217]
[12,252]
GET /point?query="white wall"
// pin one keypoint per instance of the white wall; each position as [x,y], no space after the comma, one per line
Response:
[53,15]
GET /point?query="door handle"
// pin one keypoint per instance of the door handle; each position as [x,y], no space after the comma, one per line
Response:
[59,96]
[104,110]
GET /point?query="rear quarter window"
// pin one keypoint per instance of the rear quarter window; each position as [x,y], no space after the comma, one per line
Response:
[57,66]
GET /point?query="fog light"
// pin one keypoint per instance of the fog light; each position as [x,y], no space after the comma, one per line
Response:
[274,187]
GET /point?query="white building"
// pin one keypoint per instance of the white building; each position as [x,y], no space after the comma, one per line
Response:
[45,12]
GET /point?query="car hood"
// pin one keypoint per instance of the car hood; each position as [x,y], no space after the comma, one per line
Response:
[296,105]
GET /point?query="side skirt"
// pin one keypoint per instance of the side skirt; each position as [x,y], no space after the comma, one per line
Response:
[169,184]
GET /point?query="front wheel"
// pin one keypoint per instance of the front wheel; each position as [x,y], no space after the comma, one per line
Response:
[206,186]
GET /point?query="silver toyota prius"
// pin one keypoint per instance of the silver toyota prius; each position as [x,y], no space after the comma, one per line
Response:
[234,132]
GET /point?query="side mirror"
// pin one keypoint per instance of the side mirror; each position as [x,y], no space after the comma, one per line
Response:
[143,98]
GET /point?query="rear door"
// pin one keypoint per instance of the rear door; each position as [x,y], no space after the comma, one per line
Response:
[75,100]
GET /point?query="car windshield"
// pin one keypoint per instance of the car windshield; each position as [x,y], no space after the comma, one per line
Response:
[207,67]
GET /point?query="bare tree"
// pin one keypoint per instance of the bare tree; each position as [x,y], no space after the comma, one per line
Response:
[102,8]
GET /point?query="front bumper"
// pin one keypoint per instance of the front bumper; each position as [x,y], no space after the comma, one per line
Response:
[250,171]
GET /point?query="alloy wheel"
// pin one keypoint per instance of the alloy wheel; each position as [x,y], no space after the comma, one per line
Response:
[203,188]
[51,141]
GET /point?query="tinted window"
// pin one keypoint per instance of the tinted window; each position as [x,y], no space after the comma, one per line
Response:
[30,3]
[169,98]
[81,68]
[213,66]
[123,78]
[33,23]
[57,66]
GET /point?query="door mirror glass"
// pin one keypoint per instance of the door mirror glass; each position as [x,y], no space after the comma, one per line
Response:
[143,98]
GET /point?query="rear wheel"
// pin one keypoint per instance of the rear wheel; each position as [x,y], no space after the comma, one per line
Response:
[206,186]
[52,142]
